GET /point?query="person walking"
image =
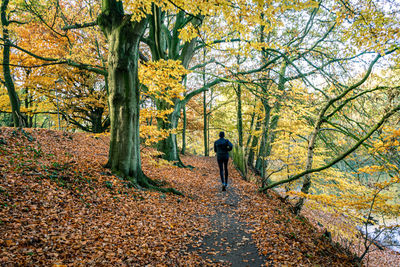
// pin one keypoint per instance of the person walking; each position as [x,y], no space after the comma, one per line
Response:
[221,147]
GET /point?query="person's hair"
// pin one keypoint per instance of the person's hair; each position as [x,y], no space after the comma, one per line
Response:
[221,134]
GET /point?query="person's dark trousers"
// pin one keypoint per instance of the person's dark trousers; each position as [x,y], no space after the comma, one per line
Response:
[223,168]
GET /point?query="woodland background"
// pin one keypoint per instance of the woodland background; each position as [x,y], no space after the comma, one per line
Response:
[308,91]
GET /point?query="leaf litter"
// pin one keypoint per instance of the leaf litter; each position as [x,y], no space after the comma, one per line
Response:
[59,206]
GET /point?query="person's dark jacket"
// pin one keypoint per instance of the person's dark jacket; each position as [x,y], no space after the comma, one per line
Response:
[222,146]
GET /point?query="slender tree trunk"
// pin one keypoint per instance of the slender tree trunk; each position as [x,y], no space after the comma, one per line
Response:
[205,109]
[18,118]
[260,164]
[250,136]
[254,144]
[275,119]
[205,128]
[209,117]
[28,104]
[239,124]
[239,115]
[184,122]
[183,151]
[307,178]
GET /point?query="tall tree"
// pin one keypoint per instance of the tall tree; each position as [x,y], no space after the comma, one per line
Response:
[123,33]
[205,112]
[123,36]
[18,118]
[166,44]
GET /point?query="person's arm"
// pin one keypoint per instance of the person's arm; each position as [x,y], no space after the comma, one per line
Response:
[230,146]
[215,147]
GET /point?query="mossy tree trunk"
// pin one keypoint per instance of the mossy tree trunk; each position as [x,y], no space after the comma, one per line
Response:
[166,44]
[169,145]
[239,115]
[262,153]
[123,36]
[18,118]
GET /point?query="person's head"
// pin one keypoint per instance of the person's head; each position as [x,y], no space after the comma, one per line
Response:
[221,134]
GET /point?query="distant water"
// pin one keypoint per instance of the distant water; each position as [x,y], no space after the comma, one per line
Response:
[388,237]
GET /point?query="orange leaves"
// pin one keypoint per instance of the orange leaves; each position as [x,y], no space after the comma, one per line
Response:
[64,208]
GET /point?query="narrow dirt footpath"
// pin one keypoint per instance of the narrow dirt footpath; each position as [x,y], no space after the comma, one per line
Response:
[230,242]
[251,229]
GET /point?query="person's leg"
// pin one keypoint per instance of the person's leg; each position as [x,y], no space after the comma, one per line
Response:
[221,170]
[226,170]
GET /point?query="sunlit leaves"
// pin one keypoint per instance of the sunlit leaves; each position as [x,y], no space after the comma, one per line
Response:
[162,79]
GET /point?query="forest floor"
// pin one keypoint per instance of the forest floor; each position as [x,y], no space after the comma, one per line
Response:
[60,207]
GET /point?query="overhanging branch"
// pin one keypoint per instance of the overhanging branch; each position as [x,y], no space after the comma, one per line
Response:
[79,25]
[339,158]
[61,61]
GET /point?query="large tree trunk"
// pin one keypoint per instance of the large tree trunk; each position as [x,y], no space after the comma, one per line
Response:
[18,118]
[124,155]
[169,146]
[169,46]
[123,37]
[96,118]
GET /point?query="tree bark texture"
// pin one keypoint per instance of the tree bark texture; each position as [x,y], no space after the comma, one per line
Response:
[18,118]
[260,164]
[183,151]
[254,144]
[123,37]
[169,46]
[239,115]
[205,128]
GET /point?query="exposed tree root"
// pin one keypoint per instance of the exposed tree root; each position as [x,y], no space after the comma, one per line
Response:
[143,182]
[148,183]
[180,164]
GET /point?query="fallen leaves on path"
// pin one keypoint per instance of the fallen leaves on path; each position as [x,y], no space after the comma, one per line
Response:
[60,206]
